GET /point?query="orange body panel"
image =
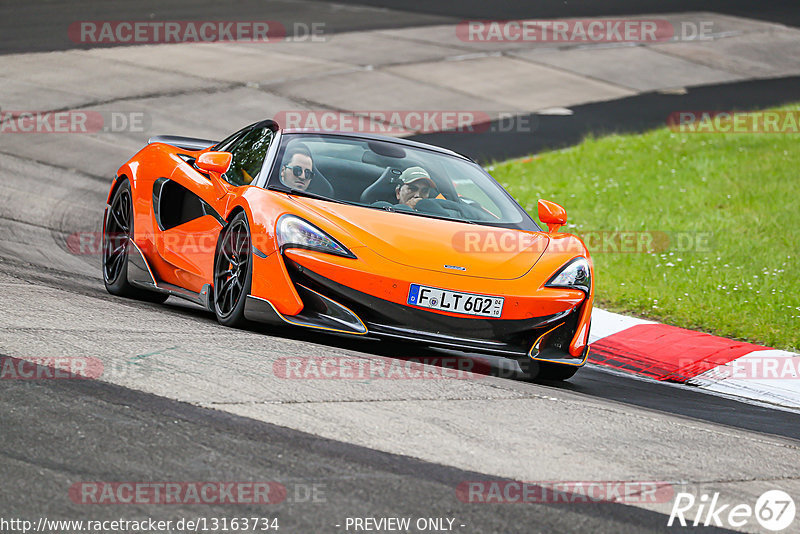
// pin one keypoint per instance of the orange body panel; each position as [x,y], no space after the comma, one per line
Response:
[431,244]
[271,282]
[190,249]
[385,279]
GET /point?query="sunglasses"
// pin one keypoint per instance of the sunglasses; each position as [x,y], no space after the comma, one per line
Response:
[297,170]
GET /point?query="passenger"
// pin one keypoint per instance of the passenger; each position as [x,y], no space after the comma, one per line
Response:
[298,170]
[416,185]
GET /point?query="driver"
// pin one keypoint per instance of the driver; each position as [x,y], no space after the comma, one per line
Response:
[416,184]
[298,169]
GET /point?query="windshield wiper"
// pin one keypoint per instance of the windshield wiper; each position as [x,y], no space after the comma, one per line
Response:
[418,213]
[432,216]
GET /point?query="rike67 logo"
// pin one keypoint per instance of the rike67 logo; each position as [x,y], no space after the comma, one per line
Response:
[774,510]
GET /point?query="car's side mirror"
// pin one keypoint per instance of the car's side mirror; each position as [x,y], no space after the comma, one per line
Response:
[553,215]
[214,162]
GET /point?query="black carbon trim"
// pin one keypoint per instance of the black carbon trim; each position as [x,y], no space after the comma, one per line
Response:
[158,190]
[396,320]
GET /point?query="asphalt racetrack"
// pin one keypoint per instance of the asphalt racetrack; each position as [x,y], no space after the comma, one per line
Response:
[37,26]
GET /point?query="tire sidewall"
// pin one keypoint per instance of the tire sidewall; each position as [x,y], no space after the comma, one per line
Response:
[236,317]
[120,286]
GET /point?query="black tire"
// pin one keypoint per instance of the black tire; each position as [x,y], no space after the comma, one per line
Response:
[554,371]
[233,272]
[535,370]
[117,232]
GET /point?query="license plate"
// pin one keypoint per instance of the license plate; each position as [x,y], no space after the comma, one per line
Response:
[454,301]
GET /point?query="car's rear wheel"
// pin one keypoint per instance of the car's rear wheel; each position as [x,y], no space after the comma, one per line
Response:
[117,236]
[233,271]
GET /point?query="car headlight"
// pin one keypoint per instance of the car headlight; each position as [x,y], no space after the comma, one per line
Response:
[575,275]
[294,232]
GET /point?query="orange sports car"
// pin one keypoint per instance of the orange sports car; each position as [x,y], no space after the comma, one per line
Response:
[352,234]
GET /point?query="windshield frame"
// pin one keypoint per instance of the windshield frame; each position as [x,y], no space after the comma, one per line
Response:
[271,180]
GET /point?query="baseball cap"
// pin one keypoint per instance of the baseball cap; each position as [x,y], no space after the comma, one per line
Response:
[412,174]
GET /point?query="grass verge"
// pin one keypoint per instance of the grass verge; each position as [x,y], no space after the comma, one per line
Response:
[729,204]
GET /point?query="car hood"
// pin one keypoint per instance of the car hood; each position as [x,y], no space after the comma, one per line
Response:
[435,244]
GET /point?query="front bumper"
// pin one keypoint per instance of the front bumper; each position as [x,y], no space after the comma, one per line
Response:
[332,306]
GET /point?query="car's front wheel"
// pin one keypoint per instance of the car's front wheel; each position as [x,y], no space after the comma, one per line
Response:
[233,271]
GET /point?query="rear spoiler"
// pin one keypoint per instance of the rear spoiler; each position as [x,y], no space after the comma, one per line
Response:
[186,143]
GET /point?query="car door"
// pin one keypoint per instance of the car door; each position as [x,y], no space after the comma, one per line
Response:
[189,206]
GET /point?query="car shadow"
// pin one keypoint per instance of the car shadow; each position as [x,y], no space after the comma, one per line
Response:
[415,353]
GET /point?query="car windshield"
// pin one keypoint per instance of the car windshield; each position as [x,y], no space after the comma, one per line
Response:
[381,174]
